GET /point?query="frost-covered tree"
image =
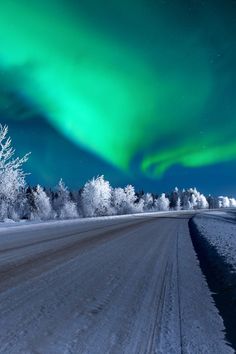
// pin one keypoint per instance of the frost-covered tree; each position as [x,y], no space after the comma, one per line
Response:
[192,199]
[162,203]
[202,202]
[63,205]
[174,197]
[43,208]
[224,202]
[232,202]
[185,200]
[178,204]
[21,204]
[125,201]
[29,209]
[219,202]
[139,206]
[148,202]
[12,178]
[198,200]
[130,200]
[118,201]
[212,202]
[96,197]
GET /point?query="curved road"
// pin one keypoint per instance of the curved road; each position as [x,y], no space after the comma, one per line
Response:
[120,285]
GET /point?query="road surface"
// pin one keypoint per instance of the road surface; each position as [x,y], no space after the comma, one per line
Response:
[120,285]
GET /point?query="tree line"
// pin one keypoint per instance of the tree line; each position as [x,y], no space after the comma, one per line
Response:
[96,198]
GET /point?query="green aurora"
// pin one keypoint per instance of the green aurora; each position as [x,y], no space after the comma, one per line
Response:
[125,94]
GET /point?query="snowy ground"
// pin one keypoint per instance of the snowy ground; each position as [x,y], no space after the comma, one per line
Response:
[109,285]
[11,223]
[219,229]
[214,238]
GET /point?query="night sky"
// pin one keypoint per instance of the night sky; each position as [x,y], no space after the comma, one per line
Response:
[141,91]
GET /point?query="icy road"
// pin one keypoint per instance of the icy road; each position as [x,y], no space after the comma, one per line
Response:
[110,285]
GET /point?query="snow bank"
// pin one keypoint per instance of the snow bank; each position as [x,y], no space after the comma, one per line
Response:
[219,229]
[6,226]
[214,238]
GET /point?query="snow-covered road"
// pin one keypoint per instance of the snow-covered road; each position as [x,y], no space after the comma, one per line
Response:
[120,285]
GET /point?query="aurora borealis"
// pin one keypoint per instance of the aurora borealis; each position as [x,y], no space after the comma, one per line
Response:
[143,92]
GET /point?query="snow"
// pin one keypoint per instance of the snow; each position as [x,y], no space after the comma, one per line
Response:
[39,224]
[219,229]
